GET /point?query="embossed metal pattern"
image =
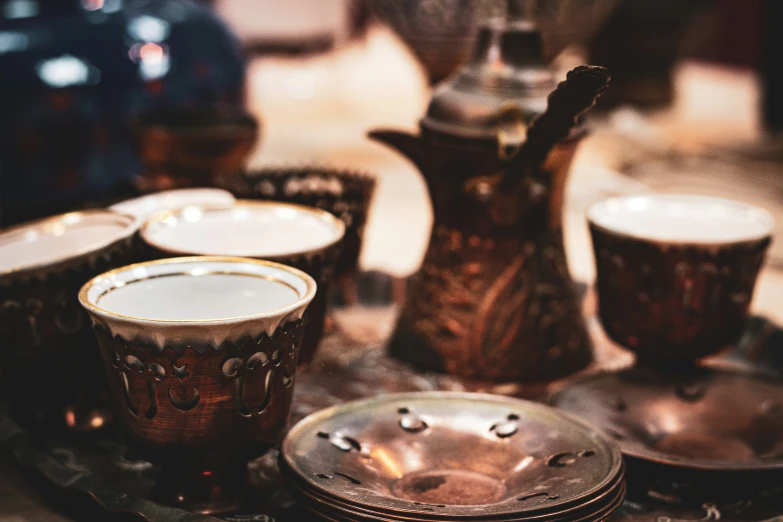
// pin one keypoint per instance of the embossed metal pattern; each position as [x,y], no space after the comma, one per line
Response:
[202,413]
[704,419]
[494,298]
[218,388]
[674,301]
[438,455]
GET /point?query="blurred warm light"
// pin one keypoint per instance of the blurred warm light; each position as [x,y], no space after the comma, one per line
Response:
[387,462]
[151,51]
[92,5]
[96,422]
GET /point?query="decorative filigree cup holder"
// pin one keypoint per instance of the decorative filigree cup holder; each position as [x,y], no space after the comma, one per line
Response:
[49,364]
[200,397]
[202,412]
[672,302]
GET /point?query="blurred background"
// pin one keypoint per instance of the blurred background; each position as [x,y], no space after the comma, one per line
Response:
[696,102]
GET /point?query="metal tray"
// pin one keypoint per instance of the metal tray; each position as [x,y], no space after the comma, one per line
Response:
[98,479]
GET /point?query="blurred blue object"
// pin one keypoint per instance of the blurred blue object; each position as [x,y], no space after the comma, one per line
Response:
[73,72]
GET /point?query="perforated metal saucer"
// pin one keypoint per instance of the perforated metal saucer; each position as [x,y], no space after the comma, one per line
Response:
[704,419]
[451,456]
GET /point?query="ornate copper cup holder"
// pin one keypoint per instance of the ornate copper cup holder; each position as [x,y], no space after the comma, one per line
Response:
[50,371]
[450,456]
[200,355]
[673,297]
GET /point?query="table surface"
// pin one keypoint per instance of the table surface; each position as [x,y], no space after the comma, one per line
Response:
[350,364]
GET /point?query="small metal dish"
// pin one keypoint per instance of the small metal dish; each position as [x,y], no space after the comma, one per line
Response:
[451,456]
[703,419]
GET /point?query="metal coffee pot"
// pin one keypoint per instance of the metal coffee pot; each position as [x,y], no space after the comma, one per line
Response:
[494,298]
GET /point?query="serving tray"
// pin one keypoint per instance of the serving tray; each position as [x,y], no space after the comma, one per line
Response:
[98,479]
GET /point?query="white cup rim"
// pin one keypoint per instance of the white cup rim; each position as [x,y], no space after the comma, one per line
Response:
[160,220]
[129,228]
[87,296]
[754,212]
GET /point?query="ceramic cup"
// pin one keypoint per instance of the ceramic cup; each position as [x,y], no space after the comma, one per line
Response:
[145,206]
[303,237]
[49,365]
[200,355]
[345,193]
[676,273]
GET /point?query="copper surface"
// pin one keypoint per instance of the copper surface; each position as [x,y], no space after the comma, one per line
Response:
[202,412]
[707,419]
[493,298]
[674,302]
[449,456]
[351,364]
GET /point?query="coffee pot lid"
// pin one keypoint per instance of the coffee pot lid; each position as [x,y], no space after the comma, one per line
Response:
[504,84]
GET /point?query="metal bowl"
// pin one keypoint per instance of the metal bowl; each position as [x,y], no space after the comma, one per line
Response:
[451,456]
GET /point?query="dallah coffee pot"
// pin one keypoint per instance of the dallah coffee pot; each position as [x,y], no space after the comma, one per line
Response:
[494,298]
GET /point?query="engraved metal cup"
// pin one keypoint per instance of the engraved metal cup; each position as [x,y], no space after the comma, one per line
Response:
[672,289]
[197,386]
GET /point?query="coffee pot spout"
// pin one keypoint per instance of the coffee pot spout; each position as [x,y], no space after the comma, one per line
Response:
[412,147]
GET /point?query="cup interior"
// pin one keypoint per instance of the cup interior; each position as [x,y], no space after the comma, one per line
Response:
[52,240]
[202,290]
[249,229]
[690,219]
[146,206]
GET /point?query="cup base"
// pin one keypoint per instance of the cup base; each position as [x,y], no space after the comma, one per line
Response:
[203,491]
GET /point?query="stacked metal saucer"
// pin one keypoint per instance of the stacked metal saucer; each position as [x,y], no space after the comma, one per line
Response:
[451,456]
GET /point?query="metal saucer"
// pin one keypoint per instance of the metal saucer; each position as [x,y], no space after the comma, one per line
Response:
[595,509]
[451,456]
[704,419]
